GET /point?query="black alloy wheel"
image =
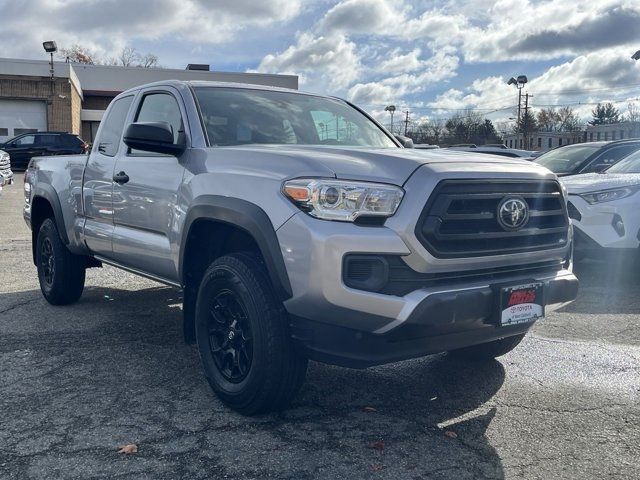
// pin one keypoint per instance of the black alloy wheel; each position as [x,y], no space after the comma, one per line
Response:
[230,338]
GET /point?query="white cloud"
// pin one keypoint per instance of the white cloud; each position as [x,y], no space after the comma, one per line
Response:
[397,62]
[330,61]
[597,76]
[110,24]
[370,17]
[439,67]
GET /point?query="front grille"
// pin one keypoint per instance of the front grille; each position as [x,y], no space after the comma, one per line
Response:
[460,218]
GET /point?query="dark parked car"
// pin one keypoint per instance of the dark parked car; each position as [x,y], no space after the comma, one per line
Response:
[36,144]
[587,157]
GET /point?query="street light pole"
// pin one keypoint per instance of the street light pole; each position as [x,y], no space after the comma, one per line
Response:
[519,83]
[50,47]
[391,109]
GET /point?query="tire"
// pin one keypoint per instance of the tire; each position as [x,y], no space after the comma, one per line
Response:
[60,272]
[488,351]
[243,336]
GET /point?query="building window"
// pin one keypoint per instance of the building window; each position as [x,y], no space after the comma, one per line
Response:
[20,131]
[539,142]
[560,142]
[4,132]
[621,134]
[591,137]
[613,135]
[606,136]
[550,142]
[598,136]
[511,143]
[521,143]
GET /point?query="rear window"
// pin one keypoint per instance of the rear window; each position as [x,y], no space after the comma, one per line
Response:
[71,140]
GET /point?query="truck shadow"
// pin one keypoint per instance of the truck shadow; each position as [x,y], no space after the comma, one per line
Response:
[117,358]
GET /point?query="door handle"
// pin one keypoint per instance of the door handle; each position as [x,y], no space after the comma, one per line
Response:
[121,178]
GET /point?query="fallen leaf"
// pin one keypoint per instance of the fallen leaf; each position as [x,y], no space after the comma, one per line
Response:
[369,409]
[128,449]
[451,434]
[378,445]
[376,468]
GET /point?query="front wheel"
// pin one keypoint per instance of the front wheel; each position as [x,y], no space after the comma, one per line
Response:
[60,272]
[488,351]
[243,337]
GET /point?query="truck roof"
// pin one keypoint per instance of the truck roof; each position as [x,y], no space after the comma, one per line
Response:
[204,83]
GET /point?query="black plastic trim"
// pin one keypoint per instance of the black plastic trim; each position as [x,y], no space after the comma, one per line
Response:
[250,218]
[47,192]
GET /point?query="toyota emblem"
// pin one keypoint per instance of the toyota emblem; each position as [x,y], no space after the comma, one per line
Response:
[513,213]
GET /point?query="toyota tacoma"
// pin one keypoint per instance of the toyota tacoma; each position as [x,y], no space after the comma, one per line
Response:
[298,228]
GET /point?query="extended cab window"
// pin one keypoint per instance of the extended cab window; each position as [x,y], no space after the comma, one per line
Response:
[243,116]
[162,107]
[112,127]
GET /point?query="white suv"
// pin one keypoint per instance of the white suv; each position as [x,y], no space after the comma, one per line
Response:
[605,207]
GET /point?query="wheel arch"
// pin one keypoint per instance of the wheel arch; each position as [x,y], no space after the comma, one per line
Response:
[246,217]
[46,204]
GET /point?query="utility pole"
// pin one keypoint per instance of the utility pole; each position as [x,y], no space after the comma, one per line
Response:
[526,120]
[406,122]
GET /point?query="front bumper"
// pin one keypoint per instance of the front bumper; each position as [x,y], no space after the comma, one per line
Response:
[441,321]
[594,229]
[337,324]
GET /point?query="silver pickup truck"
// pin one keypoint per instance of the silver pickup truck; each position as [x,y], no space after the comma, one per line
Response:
[298,228]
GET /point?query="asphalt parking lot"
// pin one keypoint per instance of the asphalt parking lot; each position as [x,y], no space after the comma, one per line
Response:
[76,382]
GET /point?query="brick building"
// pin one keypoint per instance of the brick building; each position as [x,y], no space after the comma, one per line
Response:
[77,96]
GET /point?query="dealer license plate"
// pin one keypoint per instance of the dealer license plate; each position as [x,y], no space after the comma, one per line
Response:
[521,303]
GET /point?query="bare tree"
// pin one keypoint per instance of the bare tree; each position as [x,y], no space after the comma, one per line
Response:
[633,112]
[149,61]
[78,54]
[128,57]
[568,120]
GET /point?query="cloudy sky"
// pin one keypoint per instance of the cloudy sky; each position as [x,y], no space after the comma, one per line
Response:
[433,57]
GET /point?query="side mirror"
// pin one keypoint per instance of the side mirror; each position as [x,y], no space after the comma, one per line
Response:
[405,141]
[152,137]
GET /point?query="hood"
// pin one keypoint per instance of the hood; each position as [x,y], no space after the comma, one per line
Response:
[390,165]
[592,182]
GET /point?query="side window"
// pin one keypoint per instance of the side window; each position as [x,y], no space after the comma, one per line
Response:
[26,141]
[611,156]
[112,127]
[47,140]
[162,107]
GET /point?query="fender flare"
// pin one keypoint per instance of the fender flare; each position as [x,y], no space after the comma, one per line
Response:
[248,217]
[47,192]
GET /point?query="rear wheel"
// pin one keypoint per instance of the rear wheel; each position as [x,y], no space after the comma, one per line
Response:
[243,337]
[60,272]
[488,351]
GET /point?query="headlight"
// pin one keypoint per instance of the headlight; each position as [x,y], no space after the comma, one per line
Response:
[610,195]
[343,200]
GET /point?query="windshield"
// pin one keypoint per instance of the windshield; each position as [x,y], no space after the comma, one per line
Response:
[566,159]
[234,116]
[631,164]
